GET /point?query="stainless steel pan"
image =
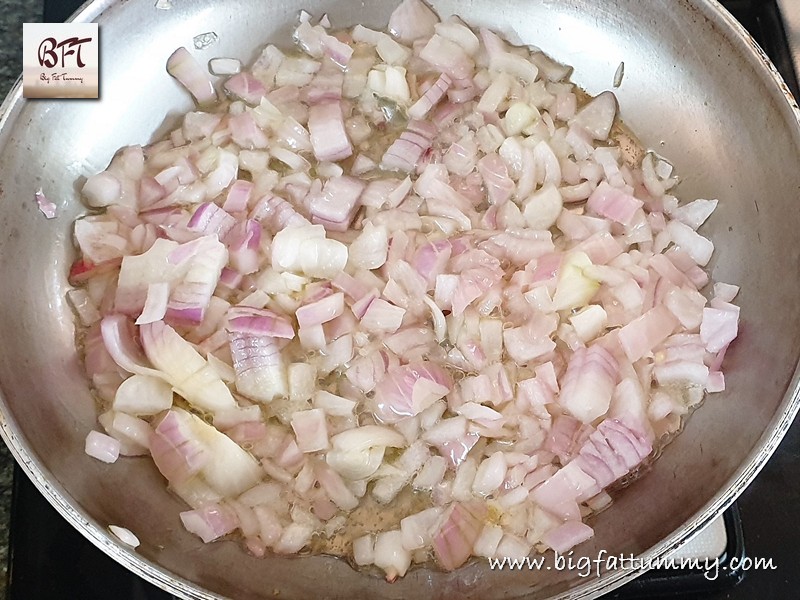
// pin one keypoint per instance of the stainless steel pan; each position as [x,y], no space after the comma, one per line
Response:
[696,89]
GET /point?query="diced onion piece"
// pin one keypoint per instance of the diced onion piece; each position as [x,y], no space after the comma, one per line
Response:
[102,189]
[364,550]
[698,247]
[453,542]
[185,369]
[143,395]
[597,116]
[321,311]
[102,447]
[310,429]
[224,66]
[541,210]
[719,327]
[382,317]
[490,475]
[259,366]
[574,289]
[183,67]
[417,529]
[305,250]
[643,334]
[332,404]
[589,322]
[328,136]
[390,555]
[210,522]
[589,383]
[46,207]
[412,20]
[126,536]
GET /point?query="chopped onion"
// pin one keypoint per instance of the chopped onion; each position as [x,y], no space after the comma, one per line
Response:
[210,522]
[46,207]
[310,429]
[126,536]
[102,447]
[390,555]
[453,542]
[143,395]
[416,262]
[183,67]
[224,66]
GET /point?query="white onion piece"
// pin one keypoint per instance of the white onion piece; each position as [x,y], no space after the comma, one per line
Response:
[333,405]
[102,189]
[491,473]
[365,437]
[719,327]
[84,307]
[183,67]
[293,538]
[143,395]
[302,381]
[229,470]
[155,304]
[126,536]
[430,98]
[411,20]
[542,209]
[310,429]
[259,367]
[224,66]
[567,535]
[488,540]
[121,346]
[390,555]
[574,288]
[328,136]
[99,239]
[641,335]
[614,204]
[102,447]
[410,461]
[369,250]
[698,247]
[356,464]
[588,383]
[589,322]
[184,368]
[364,550]
[695,213]
[306,250]
[210,522]
[320,311]
[382,317]
[446,430]
[334,487]
[417,529]
[598,115]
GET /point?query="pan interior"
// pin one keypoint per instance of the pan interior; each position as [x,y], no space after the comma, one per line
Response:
[694,90]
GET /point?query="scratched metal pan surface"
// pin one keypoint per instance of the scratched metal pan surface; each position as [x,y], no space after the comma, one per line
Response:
[696,88]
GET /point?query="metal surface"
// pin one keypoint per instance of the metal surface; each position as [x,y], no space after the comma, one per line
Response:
[696,88]
[790,11]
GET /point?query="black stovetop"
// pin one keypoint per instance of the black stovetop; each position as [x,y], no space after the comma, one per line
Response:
[49,560]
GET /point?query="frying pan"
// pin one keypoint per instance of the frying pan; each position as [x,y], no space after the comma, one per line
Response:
[696,89]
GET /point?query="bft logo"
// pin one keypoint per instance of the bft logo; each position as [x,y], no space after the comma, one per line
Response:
[60,60]
[48,57]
